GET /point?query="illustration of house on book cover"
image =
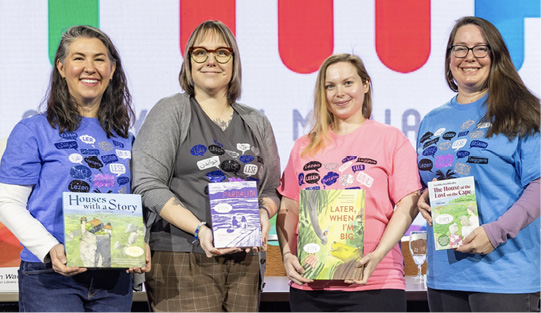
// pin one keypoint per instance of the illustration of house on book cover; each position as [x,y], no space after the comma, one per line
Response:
[103,230]
[234,210]
[331,233]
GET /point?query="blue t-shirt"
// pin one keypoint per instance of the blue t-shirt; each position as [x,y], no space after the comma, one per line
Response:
[452,143]
[81,161]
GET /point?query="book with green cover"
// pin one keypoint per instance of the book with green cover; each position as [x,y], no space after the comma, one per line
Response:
[454,211]
[331,233]
[103,230]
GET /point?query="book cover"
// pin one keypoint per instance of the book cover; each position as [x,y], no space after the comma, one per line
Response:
[454,211]
[331,233]
[234,211]
[103,230]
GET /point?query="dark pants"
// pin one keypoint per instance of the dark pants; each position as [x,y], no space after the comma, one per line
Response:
[463,301]
[384,300]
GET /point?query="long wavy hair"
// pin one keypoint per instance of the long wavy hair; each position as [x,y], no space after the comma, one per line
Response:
[321,117]
[115,113]
[512,109]
[220,29]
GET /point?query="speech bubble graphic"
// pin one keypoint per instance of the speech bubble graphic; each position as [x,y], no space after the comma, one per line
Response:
[255,150]
[345,166]
[439,131]
[233,154]
[223,208]
[89,140]
[330,178]
[313,165]
[448,135]
[425,165]
[430,151]
[313,188]
[118,144]
[464,133]
[484,125]
[444,145]
[78,186]
[444,219]
[312,178]
[208,163]
[105,146]
[478,144]
[459,144]
[104,180]
[219,144]
[66,145]
[231,166]
[431,142]
[250,169]
[348,158]
[109,158]
[80,172]
[357,168]
[122,180]
[198,150]
[462,168]
[243,147]
[93,162]
[367,161]
[365,179]
[301,179]
[346,180]
[462,154]
[477,134]
[215,176]
[76,158]
[216,150]
[467,124]
[123,154]
[330,166]
[444,160]
[117,168]
[477,160]
[90,151]
[246,158]
[311,248]
[426,136]
[69,135]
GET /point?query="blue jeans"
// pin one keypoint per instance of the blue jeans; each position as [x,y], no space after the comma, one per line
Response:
[43,290]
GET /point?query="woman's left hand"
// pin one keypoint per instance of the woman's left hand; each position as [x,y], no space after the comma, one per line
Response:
[144,269]
[476,243]
[370,261]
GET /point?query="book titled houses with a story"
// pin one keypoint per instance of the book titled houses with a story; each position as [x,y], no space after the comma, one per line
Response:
[331,233]
[454,211]
[234,210]
[103,230]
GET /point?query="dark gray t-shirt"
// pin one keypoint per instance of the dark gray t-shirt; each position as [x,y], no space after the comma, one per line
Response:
[208,154]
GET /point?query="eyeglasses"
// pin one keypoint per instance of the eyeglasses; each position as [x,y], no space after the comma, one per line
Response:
[222,55]
[461,51]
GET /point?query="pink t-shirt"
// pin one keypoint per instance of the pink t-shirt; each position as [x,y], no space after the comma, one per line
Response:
[375,157]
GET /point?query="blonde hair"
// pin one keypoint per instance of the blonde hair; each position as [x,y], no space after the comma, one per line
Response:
[321,116]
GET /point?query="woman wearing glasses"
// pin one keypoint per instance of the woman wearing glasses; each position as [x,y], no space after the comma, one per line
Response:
[187,141]
[489,130]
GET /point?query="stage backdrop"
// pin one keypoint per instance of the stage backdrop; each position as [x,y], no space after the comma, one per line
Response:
[282,44]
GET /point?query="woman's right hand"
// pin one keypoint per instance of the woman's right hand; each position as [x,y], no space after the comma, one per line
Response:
[205,239]
[294,269]
[424,207]
[58,259]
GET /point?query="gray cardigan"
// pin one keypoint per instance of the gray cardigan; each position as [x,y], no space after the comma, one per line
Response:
[164,130]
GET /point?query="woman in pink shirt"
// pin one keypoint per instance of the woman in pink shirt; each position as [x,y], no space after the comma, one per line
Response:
[358,153]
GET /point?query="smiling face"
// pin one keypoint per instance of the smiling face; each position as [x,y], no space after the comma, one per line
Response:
[87,70]
[211,78]
[470,73]
[345,92]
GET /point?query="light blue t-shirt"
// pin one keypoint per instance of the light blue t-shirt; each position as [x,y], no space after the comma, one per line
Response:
[452,143]
[81,161]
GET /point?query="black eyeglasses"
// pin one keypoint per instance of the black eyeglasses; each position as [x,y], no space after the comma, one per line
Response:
[222,55]
[461,51]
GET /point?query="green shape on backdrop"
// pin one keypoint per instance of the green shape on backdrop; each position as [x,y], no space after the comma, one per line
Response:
[63,14]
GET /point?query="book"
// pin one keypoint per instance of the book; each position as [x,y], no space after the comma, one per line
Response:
[454,211]
[331,233]
[103,230]
[234,212]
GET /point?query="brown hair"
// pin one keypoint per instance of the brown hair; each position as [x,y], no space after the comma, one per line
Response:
[512,109]
[321,116]
[220,29]
[115,112]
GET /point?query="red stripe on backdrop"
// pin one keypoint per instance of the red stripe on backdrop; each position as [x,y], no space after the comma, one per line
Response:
[305,33]
[403,33]
[194,12]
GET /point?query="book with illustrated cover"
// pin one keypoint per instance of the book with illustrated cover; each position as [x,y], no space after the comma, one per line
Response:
[103,230]
[331,233]
[234,211]
[454,211]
